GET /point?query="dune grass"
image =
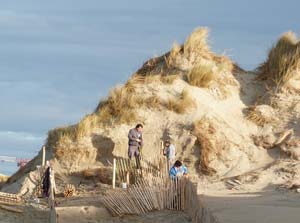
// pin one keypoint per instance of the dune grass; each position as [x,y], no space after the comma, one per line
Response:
[201,76]
[119,108]
[205,132]
[182,104]
[169,79]
[283,60]
[197,45]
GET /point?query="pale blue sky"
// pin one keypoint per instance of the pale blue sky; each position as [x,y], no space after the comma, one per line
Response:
[58,58]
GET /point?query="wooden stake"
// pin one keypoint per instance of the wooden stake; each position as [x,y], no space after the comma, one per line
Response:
[43,155]
[114,174]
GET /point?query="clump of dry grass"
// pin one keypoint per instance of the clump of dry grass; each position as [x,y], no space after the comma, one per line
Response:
[225,64]
[260,115]
[119,106]
[196,45]
[213,144]
[196,48]
[201,76]
[72,132]
[169,79]
[283,60]
[57,135]
[172,57]
[182,104]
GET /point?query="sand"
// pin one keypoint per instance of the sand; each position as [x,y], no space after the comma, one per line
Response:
[267,206]
[99,215]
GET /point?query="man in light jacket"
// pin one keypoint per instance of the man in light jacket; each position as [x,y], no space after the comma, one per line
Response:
[135,141]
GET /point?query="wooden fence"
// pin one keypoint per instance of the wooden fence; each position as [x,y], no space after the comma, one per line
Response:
[130,171]
[10,199]
[151,189]
[158,194]
[145,196]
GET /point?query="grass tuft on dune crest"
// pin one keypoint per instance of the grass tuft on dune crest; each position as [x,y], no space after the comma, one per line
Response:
[283,60]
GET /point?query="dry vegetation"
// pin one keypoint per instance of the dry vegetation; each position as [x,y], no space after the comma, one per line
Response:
[283,60]
[182,104]
[196,49]
[73,132]
[261,114]
[201,76]
[121,107]
[202,67]
[211,141]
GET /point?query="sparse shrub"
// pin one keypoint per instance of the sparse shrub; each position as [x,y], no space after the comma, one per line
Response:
[201,76]
[283,60]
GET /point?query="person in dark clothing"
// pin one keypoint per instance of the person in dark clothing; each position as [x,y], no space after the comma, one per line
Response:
[46,183]
[135,141]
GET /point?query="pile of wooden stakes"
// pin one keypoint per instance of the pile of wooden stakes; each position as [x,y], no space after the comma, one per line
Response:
[145,196]
[12,199]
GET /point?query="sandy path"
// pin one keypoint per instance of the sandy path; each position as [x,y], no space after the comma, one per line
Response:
[261,207]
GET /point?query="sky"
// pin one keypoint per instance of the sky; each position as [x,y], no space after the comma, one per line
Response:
[59,58]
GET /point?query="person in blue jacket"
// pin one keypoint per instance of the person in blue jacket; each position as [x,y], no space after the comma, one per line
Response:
[178,170]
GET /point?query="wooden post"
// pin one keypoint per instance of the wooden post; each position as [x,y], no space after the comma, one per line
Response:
[127,178]
[43,155]
[52,185]
[114,174]
[162,147]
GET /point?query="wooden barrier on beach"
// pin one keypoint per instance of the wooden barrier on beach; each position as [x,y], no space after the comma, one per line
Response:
[146,196]
[139,168]
[11,199]
[152,189]
[158,194]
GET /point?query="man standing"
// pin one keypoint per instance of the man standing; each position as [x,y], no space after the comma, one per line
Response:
[169,152]
[135,141]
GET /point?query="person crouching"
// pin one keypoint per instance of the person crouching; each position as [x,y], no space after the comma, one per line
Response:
[178,170]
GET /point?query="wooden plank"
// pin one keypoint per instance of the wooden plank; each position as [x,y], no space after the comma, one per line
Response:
[43,155]
[114,174]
